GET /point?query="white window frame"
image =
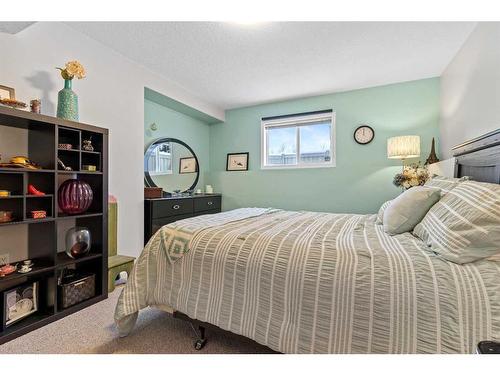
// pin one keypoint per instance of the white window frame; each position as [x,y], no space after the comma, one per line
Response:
[297,121]
[157,163]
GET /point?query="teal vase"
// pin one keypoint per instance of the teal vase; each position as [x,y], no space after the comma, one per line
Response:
[67,102]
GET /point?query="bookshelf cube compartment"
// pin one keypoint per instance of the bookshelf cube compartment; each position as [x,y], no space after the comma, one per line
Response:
[95,138]
[12,182]
[94,225]
[41,144]
[70,159]
[42,242]
[35,241]
[13,205]
[69,136]
[40,288]
[43,182]
[96,184]
[92,267]
[39,203]
[91,158]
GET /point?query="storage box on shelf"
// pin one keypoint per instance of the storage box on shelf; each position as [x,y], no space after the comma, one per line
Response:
[44,140]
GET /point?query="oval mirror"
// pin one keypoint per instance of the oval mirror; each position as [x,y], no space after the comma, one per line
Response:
[172,165]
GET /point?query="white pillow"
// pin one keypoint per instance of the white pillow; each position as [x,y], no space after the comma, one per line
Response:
[409,208]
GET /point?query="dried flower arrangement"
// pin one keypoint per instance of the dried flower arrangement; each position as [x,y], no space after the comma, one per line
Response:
[72,69]
[412,175]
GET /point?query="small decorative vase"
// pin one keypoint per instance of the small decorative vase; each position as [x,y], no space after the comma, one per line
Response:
[78,242]
[74,196]
[67,102]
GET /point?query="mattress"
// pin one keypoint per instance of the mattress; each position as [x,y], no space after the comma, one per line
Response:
[309,282]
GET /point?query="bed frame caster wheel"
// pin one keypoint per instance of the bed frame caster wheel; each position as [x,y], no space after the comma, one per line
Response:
[200,343]
[200,337]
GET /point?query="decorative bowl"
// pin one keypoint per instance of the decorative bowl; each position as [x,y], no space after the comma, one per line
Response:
[74,196]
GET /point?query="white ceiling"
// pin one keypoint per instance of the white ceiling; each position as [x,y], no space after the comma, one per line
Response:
[233,65]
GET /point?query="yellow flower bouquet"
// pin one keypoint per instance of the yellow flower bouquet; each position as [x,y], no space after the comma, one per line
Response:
[72,69]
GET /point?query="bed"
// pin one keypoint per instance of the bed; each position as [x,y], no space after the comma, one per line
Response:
[309,282]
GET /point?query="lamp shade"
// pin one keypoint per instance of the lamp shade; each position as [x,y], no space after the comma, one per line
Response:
[407,146]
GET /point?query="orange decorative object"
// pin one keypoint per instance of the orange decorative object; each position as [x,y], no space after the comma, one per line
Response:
[41,214]
[34,191]
[7,270]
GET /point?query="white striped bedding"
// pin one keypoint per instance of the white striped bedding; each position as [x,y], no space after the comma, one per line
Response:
[305,282]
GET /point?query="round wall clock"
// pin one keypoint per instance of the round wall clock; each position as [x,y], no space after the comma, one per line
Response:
[364,134]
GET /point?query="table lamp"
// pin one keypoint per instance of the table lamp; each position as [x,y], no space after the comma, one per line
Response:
[403,147]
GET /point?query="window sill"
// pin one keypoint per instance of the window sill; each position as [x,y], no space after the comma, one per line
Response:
[312,166]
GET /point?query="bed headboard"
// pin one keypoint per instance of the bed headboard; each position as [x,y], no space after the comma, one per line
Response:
[479,158]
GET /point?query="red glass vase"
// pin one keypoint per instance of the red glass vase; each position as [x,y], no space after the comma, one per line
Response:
[74,196]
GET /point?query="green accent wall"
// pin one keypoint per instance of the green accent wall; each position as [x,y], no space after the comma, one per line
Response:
[177,106]
[362,179]
[174,124]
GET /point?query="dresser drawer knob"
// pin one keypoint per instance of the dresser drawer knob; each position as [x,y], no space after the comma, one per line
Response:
[176,206]
[210,203]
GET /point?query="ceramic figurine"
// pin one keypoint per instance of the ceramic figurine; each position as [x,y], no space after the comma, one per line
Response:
[87,144]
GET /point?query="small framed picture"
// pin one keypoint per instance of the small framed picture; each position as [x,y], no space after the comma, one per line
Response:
[188,165]
[7,92]
[20,303]
[237,161]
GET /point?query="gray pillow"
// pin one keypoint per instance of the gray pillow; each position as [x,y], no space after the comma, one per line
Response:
[380,214]
[409,208]
[465,225]
[446,184]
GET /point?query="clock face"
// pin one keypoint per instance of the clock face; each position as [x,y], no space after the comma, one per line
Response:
[364,134]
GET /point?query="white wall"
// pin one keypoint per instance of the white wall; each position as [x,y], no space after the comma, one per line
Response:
[112,96]
[470,89]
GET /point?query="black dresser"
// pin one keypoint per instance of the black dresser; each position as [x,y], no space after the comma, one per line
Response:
[161,211]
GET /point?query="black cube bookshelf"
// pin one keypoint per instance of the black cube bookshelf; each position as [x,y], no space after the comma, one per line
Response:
[42,237]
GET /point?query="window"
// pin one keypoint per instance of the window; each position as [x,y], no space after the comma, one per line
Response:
[298,141]
[160,161]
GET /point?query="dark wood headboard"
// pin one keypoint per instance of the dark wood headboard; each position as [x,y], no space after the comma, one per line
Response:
[479,158]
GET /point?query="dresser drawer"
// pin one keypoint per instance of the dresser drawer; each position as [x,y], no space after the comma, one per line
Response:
[170,207]
[158,223]
[199,213]
[207,204]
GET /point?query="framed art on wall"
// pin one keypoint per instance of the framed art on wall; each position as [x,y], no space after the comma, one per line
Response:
[187,165]
[237,161]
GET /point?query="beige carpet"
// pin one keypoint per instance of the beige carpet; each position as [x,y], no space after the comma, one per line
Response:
[92,331]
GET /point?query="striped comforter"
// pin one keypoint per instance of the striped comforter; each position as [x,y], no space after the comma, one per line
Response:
[306,282]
